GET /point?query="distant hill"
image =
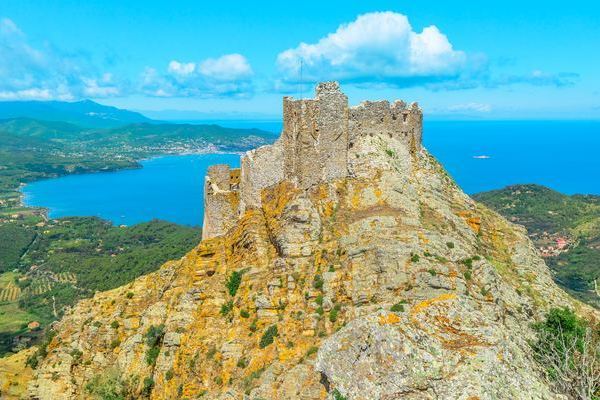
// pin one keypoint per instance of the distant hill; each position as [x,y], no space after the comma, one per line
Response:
[136,134]
[84,113]
[33,128]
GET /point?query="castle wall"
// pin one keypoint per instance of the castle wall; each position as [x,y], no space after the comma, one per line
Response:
[261,168]
[382,118]
[221,200]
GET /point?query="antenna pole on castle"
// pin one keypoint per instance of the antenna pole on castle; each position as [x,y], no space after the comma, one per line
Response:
[301,65]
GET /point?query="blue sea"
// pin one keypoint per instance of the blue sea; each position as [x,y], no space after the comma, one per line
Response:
[168,188]
[480,155]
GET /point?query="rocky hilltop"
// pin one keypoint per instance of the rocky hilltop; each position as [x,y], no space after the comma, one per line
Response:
[340,263]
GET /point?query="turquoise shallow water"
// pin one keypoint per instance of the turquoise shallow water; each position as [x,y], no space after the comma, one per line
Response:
[480,155]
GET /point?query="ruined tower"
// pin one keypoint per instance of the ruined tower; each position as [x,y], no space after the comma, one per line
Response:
[315,146]
[315,136]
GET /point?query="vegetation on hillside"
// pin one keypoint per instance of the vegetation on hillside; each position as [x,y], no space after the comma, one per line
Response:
[566,230]
[568,350]
[71,258]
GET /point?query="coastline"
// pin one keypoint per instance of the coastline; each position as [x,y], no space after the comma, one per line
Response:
[131,216]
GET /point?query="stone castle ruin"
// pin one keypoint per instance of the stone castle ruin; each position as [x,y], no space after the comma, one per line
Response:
[316,145]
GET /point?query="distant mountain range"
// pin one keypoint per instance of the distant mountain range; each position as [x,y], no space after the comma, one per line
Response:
[86,113]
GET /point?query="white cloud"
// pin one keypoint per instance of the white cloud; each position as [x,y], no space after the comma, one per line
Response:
[229,67]
[46,73]
[182,69]
[376,47]
[476,107]
[227,76]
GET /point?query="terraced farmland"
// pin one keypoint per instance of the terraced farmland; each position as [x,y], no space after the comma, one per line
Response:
[10,293]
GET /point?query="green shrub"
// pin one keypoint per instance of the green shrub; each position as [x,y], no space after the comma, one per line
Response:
[450,245]
[318,282]
[268,337]
[107,386]
[242,363]
[415,258]
[319,300]
[468,275]
[148,386]
[129,295]
[114,324]
[115,343]
[152,355]
[169,374]
[432,272]
[226,308]
[234,281]
[244,314]
[333,313]
[338,396]
[398,307]
[154,336]
[77,355]
[568,348]
[311,351]
[320,310]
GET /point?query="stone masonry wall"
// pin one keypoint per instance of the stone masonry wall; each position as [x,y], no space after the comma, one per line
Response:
[261,168]
[396,120]
[221,200]
[318,135]
[315,136]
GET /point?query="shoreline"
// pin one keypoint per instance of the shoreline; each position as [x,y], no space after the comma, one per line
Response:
[44,212]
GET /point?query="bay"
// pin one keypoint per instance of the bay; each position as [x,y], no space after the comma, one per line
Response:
[168,188]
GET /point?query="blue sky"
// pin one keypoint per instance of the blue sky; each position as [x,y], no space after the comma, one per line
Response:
[470,59]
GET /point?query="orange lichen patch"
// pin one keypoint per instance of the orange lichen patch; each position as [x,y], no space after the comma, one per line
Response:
[422,238]
[474,222]
[473,398]
[423,305]
[390,318]
[458,339]
[355,201]
[275,199]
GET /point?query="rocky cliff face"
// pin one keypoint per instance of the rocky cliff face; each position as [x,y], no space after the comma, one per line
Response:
[388,283]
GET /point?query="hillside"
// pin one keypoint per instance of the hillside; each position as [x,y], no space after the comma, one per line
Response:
[47,267]
[565,229]
[363,273]
[84,113]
